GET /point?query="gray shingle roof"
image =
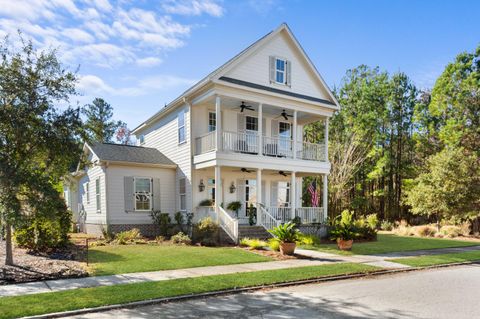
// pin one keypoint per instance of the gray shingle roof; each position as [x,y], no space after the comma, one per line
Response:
[128,153]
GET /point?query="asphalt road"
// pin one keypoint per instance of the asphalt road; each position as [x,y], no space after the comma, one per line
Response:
[452,293]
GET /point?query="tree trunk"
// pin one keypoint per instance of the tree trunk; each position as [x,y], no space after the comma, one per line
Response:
[8,245]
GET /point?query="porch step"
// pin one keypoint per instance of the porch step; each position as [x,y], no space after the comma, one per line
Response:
[253,232]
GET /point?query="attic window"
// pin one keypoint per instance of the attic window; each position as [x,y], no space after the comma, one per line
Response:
[280,71]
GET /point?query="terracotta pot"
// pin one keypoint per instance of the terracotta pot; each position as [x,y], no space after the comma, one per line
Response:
[344,244]
[287,248]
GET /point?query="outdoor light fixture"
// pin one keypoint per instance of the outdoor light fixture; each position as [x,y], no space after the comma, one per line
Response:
[201,186]
[232,188]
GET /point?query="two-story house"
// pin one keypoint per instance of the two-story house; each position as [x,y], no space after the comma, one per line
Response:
[236,135]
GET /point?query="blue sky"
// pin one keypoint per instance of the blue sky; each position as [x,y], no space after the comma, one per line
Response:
[139,55]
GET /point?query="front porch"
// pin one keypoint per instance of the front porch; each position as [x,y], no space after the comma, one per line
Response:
[272,197]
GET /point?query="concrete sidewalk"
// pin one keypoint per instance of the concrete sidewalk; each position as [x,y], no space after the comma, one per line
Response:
[312,258]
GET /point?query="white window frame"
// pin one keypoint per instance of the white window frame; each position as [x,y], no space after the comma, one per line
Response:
[98,197]
[246,123]
[181,127]
[283,72]
[211,189]
[141,139]
[149,195]
[182,195]
[87,193]
[287,188]
[212,127]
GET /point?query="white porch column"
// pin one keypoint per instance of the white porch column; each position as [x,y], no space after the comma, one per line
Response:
[326,139]
[325,196]
[259,192]
[260,129]
[294,134]
[293,192]
[218,124]
[218,188]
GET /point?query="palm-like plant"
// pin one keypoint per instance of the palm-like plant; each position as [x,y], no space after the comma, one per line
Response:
[343,227]
[286,233]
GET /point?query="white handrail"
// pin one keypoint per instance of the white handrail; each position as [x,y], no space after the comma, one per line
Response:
[311,151]
[278,146]
[265,219]
[242,142]
[284,214]
[310,215]
[228,224]
[205,143]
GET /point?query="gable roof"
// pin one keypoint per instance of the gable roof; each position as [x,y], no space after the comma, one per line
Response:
[220,71]
[129,154]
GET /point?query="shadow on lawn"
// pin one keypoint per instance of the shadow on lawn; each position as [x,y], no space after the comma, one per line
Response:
[100,256]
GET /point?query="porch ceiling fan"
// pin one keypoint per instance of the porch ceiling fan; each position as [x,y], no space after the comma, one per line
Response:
[285,115]
[245,170]
[281,173]
[243,107]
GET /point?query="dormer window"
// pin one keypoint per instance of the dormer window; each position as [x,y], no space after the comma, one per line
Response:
[280,70]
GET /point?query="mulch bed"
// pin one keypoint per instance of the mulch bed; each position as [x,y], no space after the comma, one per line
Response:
[273,254]
[29,267]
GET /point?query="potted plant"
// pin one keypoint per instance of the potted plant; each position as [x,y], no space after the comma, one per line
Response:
[234,206]
[343,230]
[287,235]
[206,203]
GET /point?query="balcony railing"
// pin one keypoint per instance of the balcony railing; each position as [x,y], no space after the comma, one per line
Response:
[248,143]
[205,143]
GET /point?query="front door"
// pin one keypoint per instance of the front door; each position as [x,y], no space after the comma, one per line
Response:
[249,198]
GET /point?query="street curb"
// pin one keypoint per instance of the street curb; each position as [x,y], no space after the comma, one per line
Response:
[148,302]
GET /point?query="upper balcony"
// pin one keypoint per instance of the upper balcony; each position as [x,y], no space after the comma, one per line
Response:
[255,132]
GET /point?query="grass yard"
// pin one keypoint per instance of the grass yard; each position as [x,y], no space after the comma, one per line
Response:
[424,261]
[29,305]
[388,243]
[109,260]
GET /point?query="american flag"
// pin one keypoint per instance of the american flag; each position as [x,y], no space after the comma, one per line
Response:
[312,189]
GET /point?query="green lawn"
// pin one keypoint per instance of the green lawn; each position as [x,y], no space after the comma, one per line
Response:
[29,305]
[424,261]
[109,260]
[388,243]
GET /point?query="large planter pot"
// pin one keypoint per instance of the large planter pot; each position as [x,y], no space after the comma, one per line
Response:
[344,244]
[287,248]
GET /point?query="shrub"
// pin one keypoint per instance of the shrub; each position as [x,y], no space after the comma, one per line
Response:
[180,220]
[425,230]
[403,229]
[253,243]
[386,225]
[450,231]
[252,215]
[297,220]
[274,244]
[343,227]
[159,239]
[206,232]
[107,234]
[162,220]
[234,206]
[181,239]
[286,233]
[304,239]
[41,233]
[128,236]
[465,228]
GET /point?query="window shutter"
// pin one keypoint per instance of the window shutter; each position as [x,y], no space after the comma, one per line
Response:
[156,194]
[288,78]
[274,128]
[240,123]
[274,194]
[264,126]
[240,191]
[128,193]
[272,69]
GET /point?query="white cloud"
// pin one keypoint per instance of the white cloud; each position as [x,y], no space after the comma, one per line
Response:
[94,85]
[193,7]
[129,25]
[148,61]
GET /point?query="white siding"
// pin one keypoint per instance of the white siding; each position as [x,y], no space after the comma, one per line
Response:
[255,68]
[163,135]
[93,173]
[116,201]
